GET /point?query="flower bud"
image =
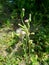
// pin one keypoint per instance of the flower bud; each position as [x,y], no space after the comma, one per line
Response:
[23,9]
[30,17]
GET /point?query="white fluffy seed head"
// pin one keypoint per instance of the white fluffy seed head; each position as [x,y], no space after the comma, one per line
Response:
[20,32]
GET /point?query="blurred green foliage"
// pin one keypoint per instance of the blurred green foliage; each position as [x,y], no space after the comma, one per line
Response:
[11,15]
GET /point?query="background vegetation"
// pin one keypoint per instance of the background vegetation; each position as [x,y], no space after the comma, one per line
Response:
[24,32]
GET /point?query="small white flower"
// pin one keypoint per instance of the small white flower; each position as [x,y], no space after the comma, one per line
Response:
[26,20]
